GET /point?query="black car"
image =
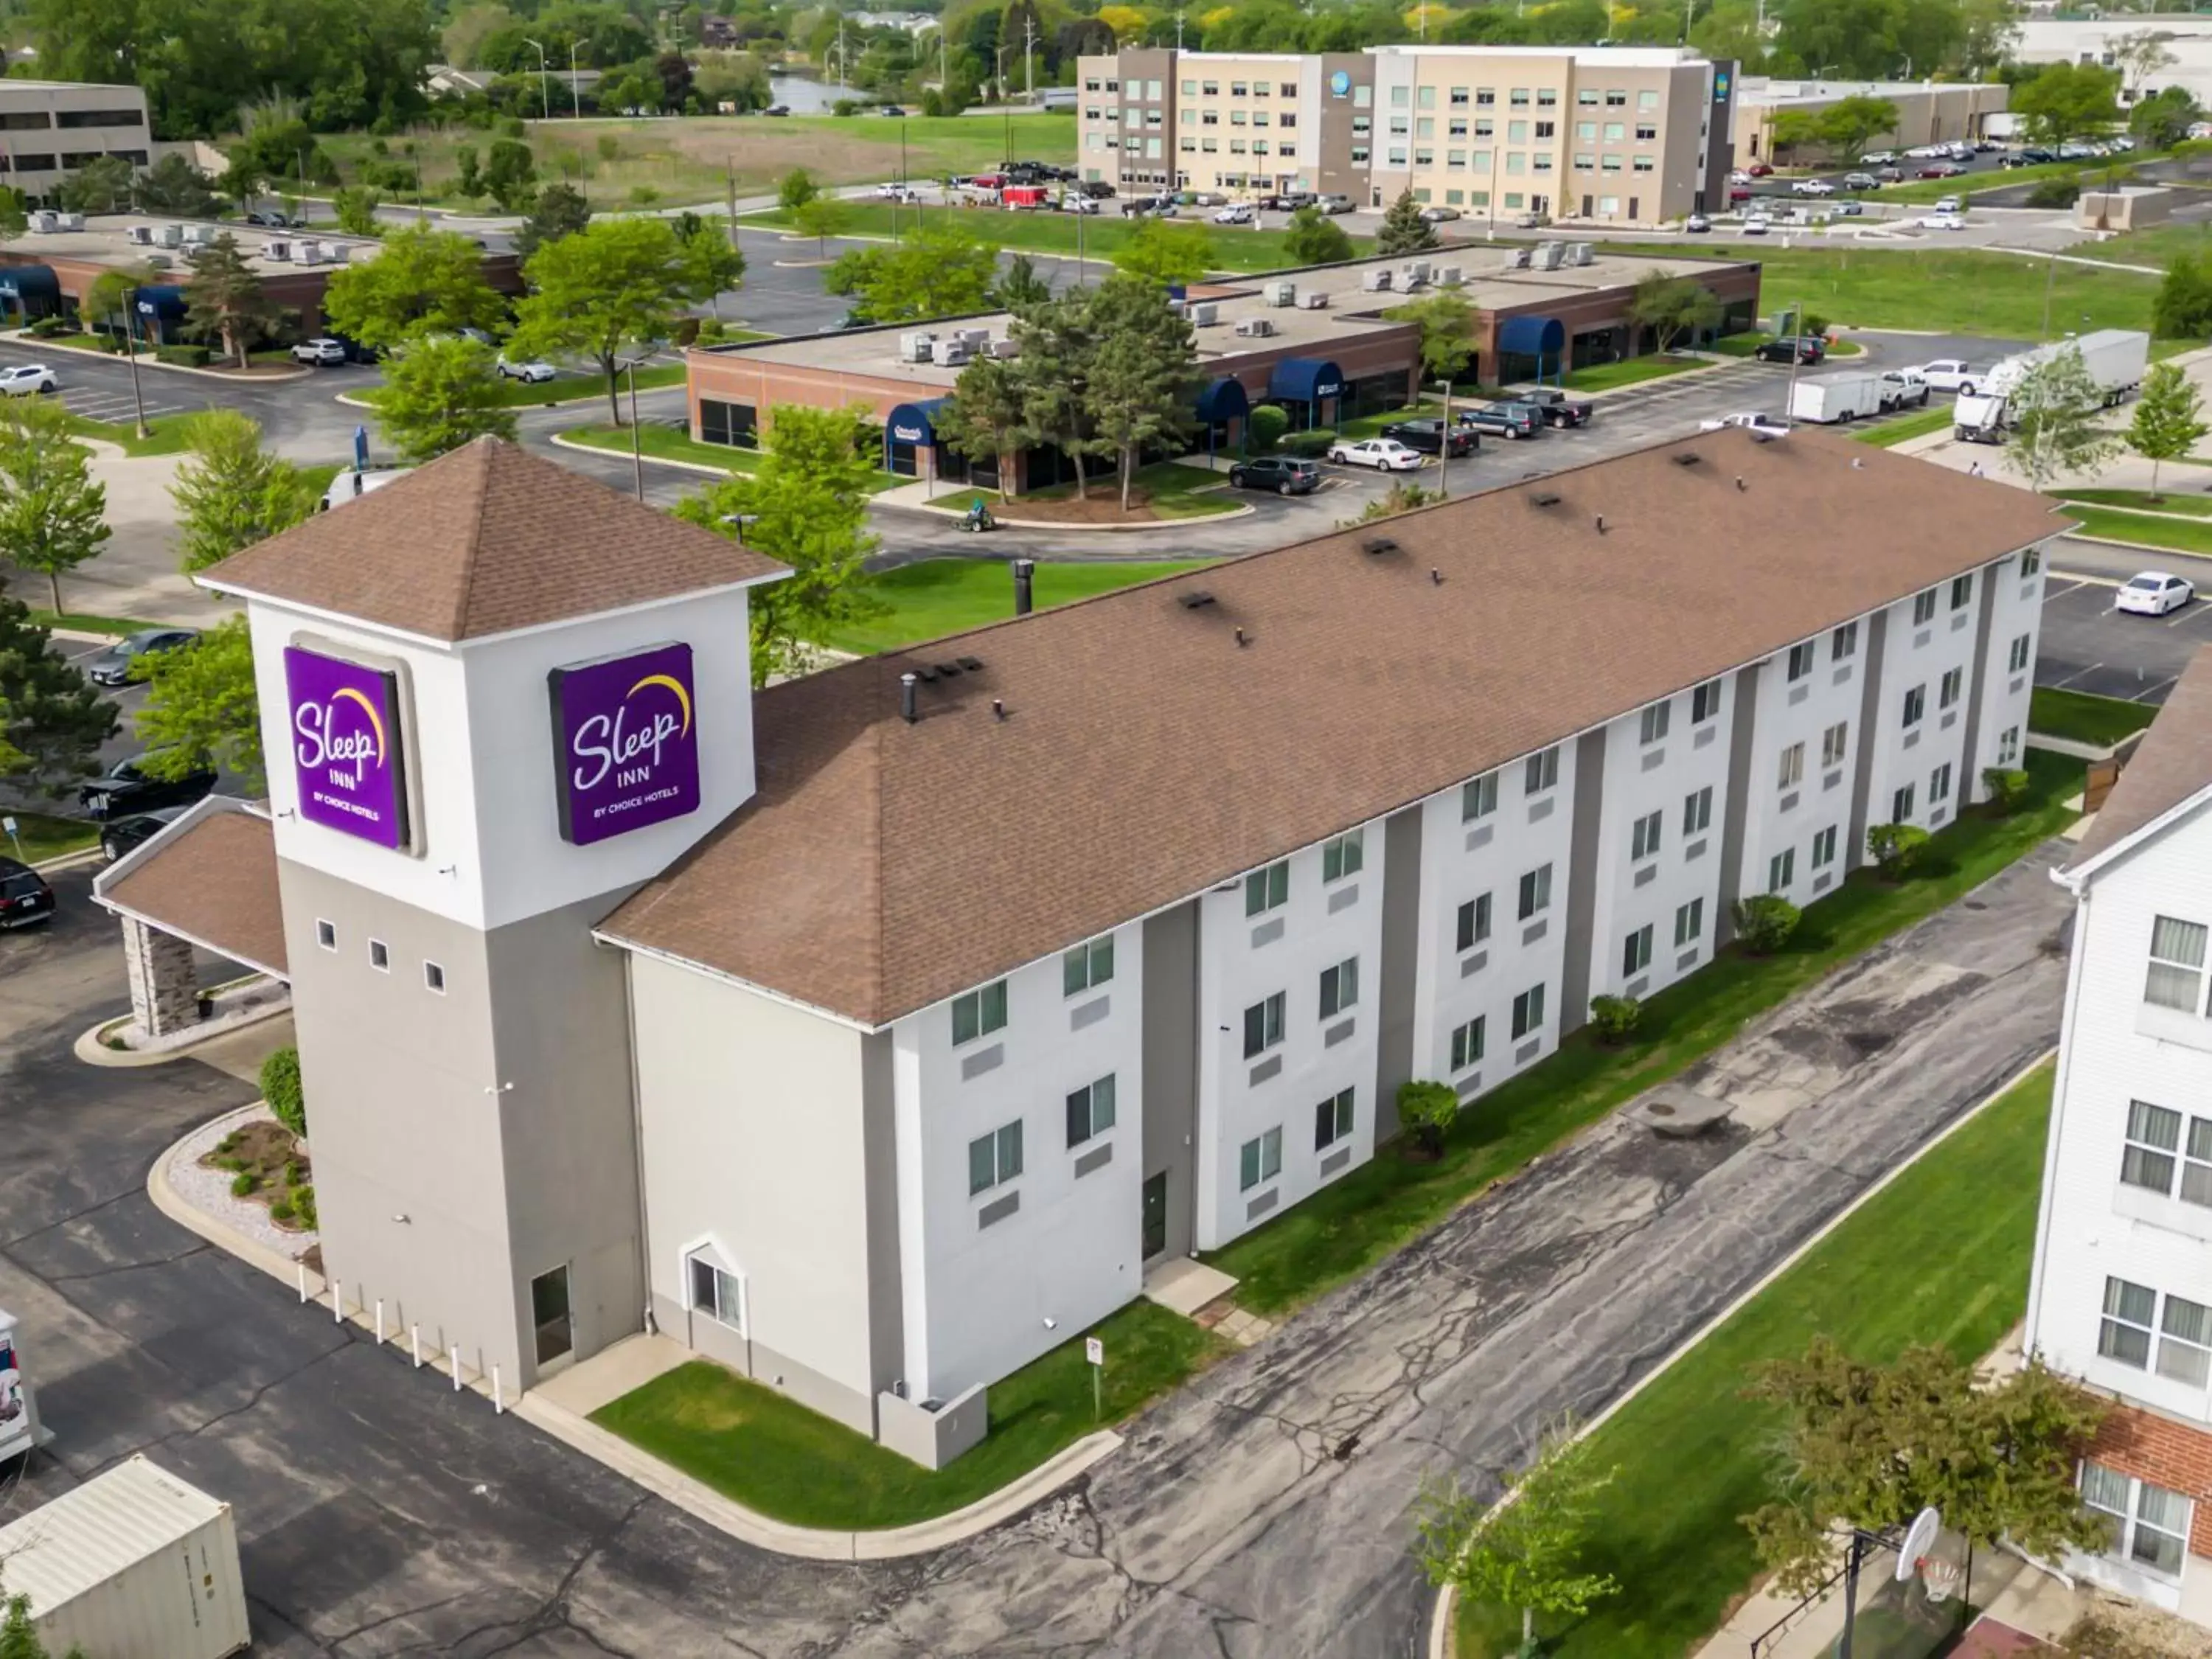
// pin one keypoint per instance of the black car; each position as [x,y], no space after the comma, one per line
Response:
[1428,436]
[1096,188]
[1803,347]
[1559,408]
[893,109]
[112,667]
[1279,473]
[1507,420]
[24,895]
[126,789]
[777,109]
[124,835]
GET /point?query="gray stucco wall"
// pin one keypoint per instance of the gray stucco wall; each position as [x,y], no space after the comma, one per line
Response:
[1743,732]
[1170,1065]
[1877,641]
[1402,964]
[1582,878]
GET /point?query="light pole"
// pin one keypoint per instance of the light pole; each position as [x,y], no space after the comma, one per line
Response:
[636,455]
[1797,357]
[545,86]
[1443,444]
[575,97]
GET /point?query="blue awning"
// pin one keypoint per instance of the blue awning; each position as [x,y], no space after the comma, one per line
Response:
[1305,379]
[30,283]
[164,301]
[1532,336]
[1224,400]
[912,423]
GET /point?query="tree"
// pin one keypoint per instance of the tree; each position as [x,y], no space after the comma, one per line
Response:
[1057,347]
[201,707]
[2169,419]
[1404,230]
[560,210]
[1765,922]
[1524,1550]
[439,394]
[355,207]
[795,190]
[423,281]
[53,516]
[1872,1446]
[2141,55]
[2054,408]
[1163,252]
[2067,101]
[984,417]
[807,505]
[103,185]
[510,175]
[1446,324]
[174,186]
[2182,309]
[1429,1109]
[1312,238]
[821,217]
[2163,120]
[224,298]
[1019,287]
[110,299]
[230,493]
[17,1639]
[617,288]
[1142,370]
[1671,307]
[943,270]
[52,716]
[673,70]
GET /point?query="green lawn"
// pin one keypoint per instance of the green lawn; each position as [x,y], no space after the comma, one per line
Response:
[1353,1223]
[937,597]
[83,622]
[1940,1256]
[41,837]
[1916,424]
[165,435]
[2177,535]
[774,1456]
[2167,501]
[2158,246]
[2084,718]
[657,440]
[1961,290]
[1633,371]
[1177,491]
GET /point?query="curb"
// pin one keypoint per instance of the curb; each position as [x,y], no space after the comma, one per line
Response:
[147,360]
[354,400]
[93,1052]
[1245,511]
[68,861]
[2138,547]
[562,440]
[254,1254]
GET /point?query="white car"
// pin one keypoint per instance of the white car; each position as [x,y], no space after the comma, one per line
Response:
[1739,177]
[1948,374]
[1927,152]
[1078,205]
[1811,187]
[321,353]
[1237,212]
[25,378]
[1877,158]
[896,192]
[536,372]
[2153,594]
[1383,454]
[1757,225]
[1438,215]
[1943,221]
[1950,204]
[1761,426]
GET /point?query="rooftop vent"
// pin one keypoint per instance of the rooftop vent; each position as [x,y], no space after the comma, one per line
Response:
[1378,545]
[1543,498]
[973,664]
[1196,600]
[948,670]
[1687,457]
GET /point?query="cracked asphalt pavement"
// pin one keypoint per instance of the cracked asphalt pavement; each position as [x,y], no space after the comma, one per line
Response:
[1262,1511]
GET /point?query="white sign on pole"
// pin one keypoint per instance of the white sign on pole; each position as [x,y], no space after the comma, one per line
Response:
[6,826]
[1094,1350]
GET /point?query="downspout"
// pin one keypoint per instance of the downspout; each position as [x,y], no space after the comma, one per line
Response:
[637,1141]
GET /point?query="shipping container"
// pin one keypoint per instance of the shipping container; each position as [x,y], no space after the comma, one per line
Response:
[19,1411]
[132,1565]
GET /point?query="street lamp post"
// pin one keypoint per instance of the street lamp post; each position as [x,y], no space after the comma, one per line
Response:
[636,455]
[1443,444]
[545,86]
[575,97]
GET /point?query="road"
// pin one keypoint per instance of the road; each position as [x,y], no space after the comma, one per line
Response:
[2086,645]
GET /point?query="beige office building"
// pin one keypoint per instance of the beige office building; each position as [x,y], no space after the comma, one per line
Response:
[52,128]
[1928,112]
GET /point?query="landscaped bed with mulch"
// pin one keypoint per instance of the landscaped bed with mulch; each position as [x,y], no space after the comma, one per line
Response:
[269,1166]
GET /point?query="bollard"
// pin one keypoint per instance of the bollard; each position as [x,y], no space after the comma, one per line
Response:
[498,1401]
[415,1335]
[338,1302]
[303,1281]
[379,1322]
[457,1368]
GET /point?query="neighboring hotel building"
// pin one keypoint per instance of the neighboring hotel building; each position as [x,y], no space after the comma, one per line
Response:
[875,1032]
[2122,1293]
[1626,135]
[48,129]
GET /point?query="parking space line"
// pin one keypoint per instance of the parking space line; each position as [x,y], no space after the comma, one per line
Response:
[2082,673]
[2185,614]
[2078,578]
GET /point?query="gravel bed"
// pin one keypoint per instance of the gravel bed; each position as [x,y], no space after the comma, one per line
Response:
[208,1190]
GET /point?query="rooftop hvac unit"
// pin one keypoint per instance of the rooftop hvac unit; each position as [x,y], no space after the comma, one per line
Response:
[142,235]
[1375,282]
[1418,270]
[193,233]
[72,222]
[1006,347]
[914,348]
[1549,256]
[1316,302]
[1205,314]
[1255,328]
[1520,259]
[950,354]
[43,223]
[338,254]
[281,252]
[307,252]
[1450,277]
[1282,294]
[978,338]
[168,236]
[1581,253]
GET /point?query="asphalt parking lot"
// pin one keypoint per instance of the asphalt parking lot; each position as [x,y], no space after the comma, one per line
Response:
[2086,645]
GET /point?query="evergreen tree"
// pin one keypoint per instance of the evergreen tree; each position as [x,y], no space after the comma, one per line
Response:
[224,298]
[1054,369]
[1312,238]
[984,417]
[1404,230]
[52,716]
[230,493]
[560,210]
[53,516]
[1019,287]
[1141,372]
[2169,419]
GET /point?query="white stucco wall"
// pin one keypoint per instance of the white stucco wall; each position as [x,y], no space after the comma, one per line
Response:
[1920,654]
[1789,712]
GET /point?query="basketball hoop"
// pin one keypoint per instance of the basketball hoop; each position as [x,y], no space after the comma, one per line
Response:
[1941,1576]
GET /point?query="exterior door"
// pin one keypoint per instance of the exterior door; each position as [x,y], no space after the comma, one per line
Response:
[549,1312]
[1155,1214]
[1586,207]
[1635,202]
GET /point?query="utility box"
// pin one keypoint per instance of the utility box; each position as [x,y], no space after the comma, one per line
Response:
[133,1565]
[19,1411]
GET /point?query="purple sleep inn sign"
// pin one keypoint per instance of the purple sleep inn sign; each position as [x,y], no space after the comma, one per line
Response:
[626,742]
[346,748]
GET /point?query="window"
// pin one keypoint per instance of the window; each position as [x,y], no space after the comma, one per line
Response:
[1547,97]
[2184,1341]
[1900,805]
[1090,1110]
[1949,687]
[1615,132]
[995,1158]
[719,1295]
[1542,771]
[1467,1044]
[1087,966]
[1584,163]
[1265,888]
[1527,1012]
[1689,922]
[1705,702]
[1923,607]
[99,118]
[1915,705]
[1547,130]
[1236,89]
[434,978]
[1516,132]
[1615,98]
[1844,641]
[1473,922]
[1518,97]
[1586,97]
[379,956]
[326,935]
[2031,561]
[2149,1523]
[1834,743]
[1698,810]
[1653,725]
[2008,746]
[1259,1159]
[1636,951]
[1646,133]
[2016,658]
[1938,784]
[1333,1121]
[2177,965]
[1190,89]
[2153,1138]
[979,1014]
[1485,97]
[1962,590]
[1342,857]
[1782,870]
[2124,1331]
[1645,836]
[1263,1025]
[1536,891]
[1647,100]
[1824,848]
[1800,660]
[1340,987]
[1792,772]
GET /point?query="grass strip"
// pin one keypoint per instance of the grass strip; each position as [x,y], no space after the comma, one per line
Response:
[2085,718]
[1368,1213]
[658,442]
[1940,1256]
[1631,371]
[40,837]
[1918,424]
[2176,535]
[936,597]
[2167,501]
[85,622]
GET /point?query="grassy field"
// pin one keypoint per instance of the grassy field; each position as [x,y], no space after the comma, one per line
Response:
[40,837]
[2085,718]
[695,160]
[1940,1256]
[166,436]
[1895,430]
[2176,535]
[936,597]
[1353,1223]
[774,1456]
[2157,246]
[1961,290]
[1177,491]
[2167,501]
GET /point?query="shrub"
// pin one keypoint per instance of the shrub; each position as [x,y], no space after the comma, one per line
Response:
[2054,193]
[280,1209]
[1764,923]
[1898,849]
[280,1087]
[1265,427]
[1614,1020]
[243,1184]
[711,331]
[1429,1109]
[686,333]
[1307,446]
[303,1206]
[183,357]
[846,108]
[2007,787]
[50,328]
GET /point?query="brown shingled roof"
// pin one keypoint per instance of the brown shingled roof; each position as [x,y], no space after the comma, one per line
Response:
[2173,763]
[485,540]
[1146,755]
[213,882]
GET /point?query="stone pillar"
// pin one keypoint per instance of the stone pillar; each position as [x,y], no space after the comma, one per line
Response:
[163,994]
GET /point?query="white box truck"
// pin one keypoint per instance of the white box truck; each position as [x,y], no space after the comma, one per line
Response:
[19,1411]
[132,1565]
[1842,394]
[2116,360]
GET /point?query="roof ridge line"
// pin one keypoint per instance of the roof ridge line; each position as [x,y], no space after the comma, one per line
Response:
[488,447]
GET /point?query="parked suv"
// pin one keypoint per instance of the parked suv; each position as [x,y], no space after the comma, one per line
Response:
[25,897]
[320,353]
[1510,420]
[128,788]
[1803,347]
[1279,473]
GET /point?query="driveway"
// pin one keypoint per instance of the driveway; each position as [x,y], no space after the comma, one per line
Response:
[1261,1511]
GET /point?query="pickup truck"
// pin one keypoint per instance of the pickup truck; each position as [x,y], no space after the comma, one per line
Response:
[1557,408]
[1507,420]
[1903,387]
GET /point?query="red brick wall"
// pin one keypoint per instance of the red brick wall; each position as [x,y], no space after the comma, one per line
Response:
[2167,1453]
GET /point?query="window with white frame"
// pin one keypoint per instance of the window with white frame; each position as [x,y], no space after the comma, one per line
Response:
[1527,1012]
[1653,724]
[1782,870]
[1962,590]
[1644,838]
[2124,1331]
[1951,688]
[2184,1341]
[1824,848]
[1541,772]
[1340,987]
[1333,1121]
[2155,1148]
[379,956]
[2016,658]
[1698,810]
[979,1014]
[1259,1159]
[1916,706]
[1088,966]
[1636,951]
[1923,607]
[2150,1524]
[2177,965]
[1467,1044]
[1834,742]
[1478,798]
[434,978]
[326,935]
[1939,784]
[1801,661]
[2009,747]
[1900,805]
[1705,702]
[1264,890]
[1689,922]
[2031,561]
[1536,891]
[1473,922]
[1090,1110]
[1844,642]
[1263,1025]
[1792,771]
[1343,856]
[995,1158]
[718,1294]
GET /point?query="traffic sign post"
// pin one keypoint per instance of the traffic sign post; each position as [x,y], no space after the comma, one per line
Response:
[1095,1351]
[9,825]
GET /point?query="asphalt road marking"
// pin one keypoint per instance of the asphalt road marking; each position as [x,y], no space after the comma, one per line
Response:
[2078,674]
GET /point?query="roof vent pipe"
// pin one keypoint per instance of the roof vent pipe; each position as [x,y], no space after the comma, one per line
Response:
[1024,598]
[907,711]
[1601,524]
[998,707]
